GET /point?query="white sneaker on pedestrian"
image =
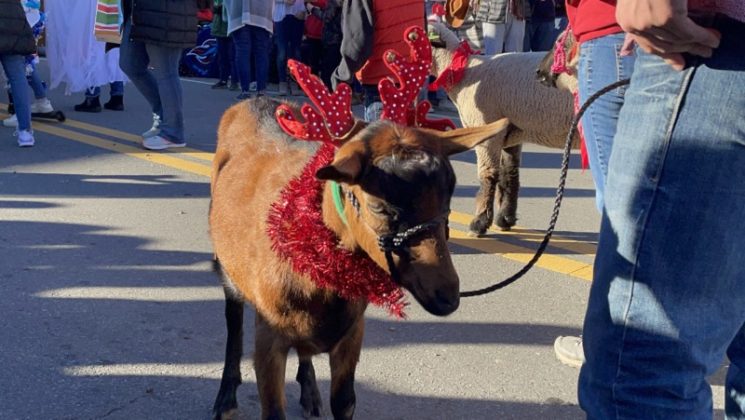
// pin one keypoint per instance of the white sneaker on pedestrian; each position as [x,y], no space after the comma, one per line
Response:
[155,129]
[252,87]
[569,350]
[373,111]
[159,143]
[11,121]
[25,138]
[41,106]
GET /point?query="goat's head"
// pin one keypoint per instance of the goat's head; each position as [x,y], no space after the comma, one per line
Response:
[399,182]
[560,75]
[444,42]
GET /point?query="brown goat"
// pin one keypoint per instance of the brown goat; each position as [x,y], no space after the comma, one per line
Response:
[395,178]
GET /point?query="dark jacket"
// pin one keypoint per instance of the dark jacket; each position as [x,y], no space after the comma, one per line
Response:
[167,23]
[16,37]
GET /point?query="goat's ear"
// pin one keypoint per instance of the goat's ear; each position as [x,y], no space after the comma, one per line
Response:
[345,168]
[462,139]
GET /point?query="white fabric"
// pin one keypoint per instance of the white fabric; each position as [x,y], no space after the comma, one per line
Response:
[282,9]
[75,57]
[249,12]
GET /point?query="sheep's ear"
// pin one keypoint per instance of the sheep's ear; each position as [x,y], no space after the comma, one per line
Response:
[346,167]
[462,139]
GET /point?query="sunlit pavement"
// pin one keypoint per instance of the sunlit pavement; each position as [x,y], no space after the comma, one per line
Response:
[110,309]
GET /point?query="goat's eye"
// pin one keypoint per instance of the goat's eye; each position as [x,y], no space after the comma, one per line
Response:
[378,209]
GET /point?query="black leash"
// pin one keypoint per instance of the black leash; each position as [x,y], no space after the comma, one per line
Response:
[559,195]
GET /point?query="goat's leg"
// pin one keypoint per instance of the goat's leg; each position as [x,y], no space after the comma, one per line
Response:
[310,397]
[487,162]
[508,187]
[343,359]
[225,403]
[270,361]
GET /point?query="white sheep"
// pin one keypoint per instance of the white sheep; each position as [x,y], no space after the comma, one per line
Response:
[495,87]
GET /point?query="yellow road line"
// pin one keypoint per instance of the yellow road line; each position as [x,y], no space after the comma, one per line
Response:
[129,137]
[159,158]
[486,245]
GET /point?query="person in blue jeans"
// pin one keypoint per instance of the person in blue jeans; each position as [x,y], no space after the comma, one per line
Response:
[289,21]
[16,42]
[250,25]
[601,62]
[151,62]
[667,302]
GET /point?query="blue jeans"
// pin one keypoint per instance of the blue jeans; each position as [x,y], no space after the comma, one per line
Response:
[252,42]
[115,89]
[160,86]
[288,33]
[226,59]
[599,66]
[668,296]
[15,70]
[540,36]
[37,85]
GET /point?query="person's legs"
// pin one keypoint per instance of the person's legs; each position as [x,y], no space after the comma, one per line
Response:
[262,43]
[165,72]
[514,35]
[331,60]
[667,297]
[600,64]
[242,41]
[15,71]
[37,85]
[116,96]
[223,62]
[543,36]
[134,62]
[493,38]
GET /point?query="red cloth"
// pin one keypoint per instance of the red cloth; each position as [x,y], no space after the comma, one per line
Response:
[592,19]
[314,24]
[204,15]
[454,73]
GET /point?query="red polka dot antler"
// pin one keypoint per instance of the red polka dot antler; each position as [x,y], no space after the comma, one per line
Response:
[411,72]
[332,117]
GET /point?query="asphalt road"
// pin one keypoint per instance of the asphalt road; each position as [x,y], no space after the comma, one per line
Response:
[110,310]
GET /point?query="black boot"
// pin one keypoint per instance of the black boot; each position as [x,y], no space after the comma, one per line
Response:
[90,104]
[116,103]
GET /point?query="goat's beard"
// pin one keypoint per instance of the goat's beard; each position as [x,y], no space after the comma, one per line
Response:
[298,234]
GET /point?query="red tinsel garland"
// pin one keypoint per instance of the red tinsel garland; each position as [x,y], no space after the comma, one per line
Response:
[298,234]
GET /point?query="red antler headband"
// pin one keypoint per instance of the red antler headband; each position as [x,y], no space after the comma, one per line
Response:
[332,118]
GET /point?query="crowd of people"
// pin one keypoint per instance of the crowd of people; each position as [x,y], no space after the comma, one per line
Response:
[665,305]
[92,43]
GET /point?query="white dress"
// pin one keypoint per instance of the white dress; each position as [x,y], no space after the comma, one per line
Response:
[74,55]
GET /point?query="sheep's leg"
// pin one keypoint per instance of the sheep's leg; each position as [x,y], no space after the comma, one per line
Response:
[508,187]
[487,162]
[270,360]
[225,403]
[343,359]
[310,397]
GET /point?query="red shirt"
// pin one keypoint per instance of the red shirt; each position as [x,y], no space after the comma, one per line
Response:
[592,19]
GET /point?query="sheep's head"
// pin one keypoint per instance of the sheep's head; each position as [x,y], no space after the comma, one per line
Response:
[562,75]
[444,42]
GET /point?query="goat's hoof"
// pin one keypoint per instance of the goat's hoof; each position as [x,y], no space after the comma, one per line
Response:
[505,223]
[478,226]
[472,234]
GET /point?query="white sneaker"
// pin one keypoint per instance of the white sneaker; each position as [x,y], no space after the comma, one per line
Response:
[41,106]
[25,138]
[159,143]
[11,121]
[154,130]
[252,87]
